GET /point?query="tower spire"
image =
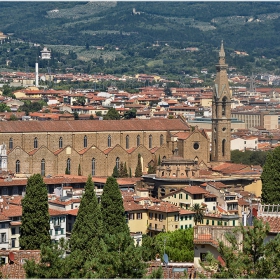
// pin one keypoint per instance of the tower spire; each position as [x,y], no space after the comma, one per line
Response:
[222,54]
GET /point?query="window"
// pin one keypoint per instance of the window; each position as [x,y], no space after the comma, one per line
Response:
[93,167]
[85,141]
[11,143]
[68,166]
[13,242]
[213,222]
[196,146]
[224,103]
[139,216]
[182,227]
[17,166]
[60,143]
[150,216]
[118,163]
[3,238]
[51,231]
[190,226]
[150,141]
[13,229]
[57,231]
[138,140]
[43,167]
[109,141]
[62,231]
[176,217]
[161,140]
[131,216]
[155,216]
[233,222]
[187,197]
[207,222]
[223,147]
[180,196]
[127,141]
[186,226]
[174,195]
[35,143]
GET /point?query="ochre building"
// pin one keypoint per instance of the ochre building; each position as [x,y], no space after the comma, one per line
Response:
[95,147]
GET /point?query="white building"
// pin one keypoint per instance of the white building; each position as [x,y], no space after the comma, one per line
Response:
[244,143]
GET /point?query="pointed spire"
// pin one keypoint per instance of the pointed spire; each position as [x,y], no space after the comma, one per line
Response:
[222,53]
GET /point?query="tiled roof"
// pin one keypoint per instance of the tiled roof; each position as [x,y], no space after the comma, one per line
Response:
[164,207]
[132,206]
[195,190]
[54,212]
[186,212]
[93,125]
[218,185]
[274,223]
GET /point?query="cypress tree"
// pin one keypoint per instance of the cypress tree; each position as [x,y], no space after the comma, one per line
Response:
[271,178]
[116,172]
[35,228]
[138,170]
[125,170]
[113,214]
[88,224]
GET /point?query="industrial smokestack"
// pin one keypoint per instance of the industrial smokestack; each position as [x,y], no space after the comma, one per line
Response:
[36,75]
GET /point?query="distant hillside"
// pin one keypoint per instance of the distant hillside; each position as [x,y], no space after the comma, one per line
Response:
[142,37]
[242,25]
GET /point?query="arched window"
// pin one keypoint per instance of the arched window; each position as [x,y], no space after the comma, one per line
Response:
[138,140]
[127,141]
[109,141]
[118,163]
[85,141]
[17,166]
[150,141]
[11,143]
[68,166]
[60,143]
[223,146]
[161,140]
[35,143]
[43,166]
[224,104]
[93,167]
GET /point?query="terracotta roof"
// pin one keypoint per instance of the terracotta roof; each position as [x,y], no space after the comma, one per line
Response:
[274,223]
[54,212]
[164,207]
[132,206]
[93,125]
[218,185]
[186,212]
[195,190]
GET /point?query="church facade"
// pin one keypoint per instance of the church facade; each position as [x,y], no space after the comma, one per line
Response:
[95,147]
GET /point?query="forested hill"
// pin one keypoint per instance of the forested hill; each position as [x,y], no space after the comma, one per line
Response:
[246,26]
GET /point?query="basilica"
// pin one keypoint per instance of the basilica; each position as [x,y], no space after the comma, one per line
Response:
[95,147]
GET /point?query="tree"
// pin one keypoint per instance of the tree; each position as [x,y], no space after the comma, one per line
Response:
[88,224]
[116,173]
[271,178]
[112,114]
[248,255]
[113,214]
[53,263]
[4,108]
[138,170]
[35,227]
[76,115]
[198,213]
[130,114]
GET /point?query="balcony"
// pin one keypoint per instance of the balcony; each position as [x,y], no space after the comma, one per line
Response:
[155,229]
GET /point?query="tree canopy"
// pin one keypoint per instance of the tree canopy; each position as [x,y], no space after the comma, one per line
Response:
[35,227]
[271,178]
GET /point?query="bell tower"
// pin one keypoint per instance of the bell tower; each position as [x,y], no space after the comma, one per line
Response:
[221,112]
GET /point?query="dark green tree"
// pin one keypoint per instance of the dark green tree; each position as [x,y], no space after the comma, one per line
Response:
[113,214]
[116,173]
[138,169]
[53,263]
[88,225]
[4,108]
[130,114]
[76,116]
[112,114]
[271,178]
[198,213]
[35,227]
[125,170]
